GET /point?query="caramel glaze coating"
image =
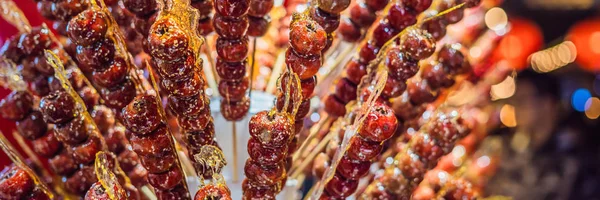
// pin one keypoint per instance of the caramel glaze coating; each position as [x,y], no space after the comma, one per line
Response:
[265,155]
[85,153]
[120,95]
[88,27]
[97,55]
[401,16]
[340,187]
[234,90]
[113,75]
[97,192]
[58,107]
[273,131]
[307,37]
[418,44]
[185,87]
[266,175]
[213,192]
[81,180]
[179,69]
[231,8]
[258,26]
[39,86]
[183,106]
[334,106]
[349,31]
[204,7]
[230,28]
[47,145]
[232,50]
[205,26]
[234,111]
[176,193]
[167,180]
[36,41]
[73,132]
[32,126]
[141,8]
[167,40]
[380,124]
[333,6]
[345,90]
[231,70]
[328,21]
[142,116]
[304,66]
[307,87]
[400,65]
[260,8]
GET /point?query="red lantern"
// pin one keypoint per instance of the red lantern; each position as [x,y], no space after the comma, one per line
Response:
[586,37]
[523,39]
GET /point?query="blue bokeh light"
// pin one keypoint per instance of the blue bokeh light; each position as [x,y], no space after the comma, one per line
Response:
[578,99]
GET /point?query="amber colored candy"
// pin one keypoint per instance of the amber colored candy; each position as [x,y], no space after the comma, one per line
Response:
[85,153]
[231,8]
[383,32]
[334,106]
[400,66]
[96,55]
[230,28]
[41,65]
[264,154]
[141,116]
[260,8]
[349,31]
[81,180]
[232,50]
[120,95]
[198,138]
[264,174]
[304,67]
[36,41]
[15,183]
[345,90]
[418,44]
[167,40]
[401,16]
[113,75]
[96,192]
[328,21]
[166,180]
[363,150]
[307,86]
[380,124]
[58,107]
[128,160]
[16,105]
[233,111]
[178,69]
[453,59]
[88,27]
[231,70]
[103,117]
[187,105]
[142,8]
[73,132]
[341,187]
[213,192]
[154,150]
[258,26]
[273,131]
[234,90]
[352,169]
[417,5]
[62,163]
[307,37]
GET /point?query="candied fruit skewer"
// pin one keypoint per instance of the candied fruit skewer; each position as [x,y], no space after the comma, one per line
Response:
[60,12]
[205,8]
[16,183]
[258,17]
[399,16]
[174,47]
[327,14]
[422,152]
[152,141]
[110,185]
[231,24]
[362,15]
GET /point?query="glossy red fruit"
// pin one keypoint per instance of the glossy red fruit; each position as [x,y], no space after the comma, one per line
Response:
[334,106]
[418,44]
[341,187]
[320,164]
[345,90]
[176,193]
[204,7]
[142,25]
[96,192]
[264,174]
[184,87]
[307,37]
[184,106]
[400,66]
[232,50]
[96,55]
[420,92]
[178,69]
[395,183]
[258,26]
[418,5]
[58,107]
[265,155]
[120,95]
[436,76]
[213,192]
[361,15]
[154,150]
[349,31]
[230,28]
[85,153]
[128,160]
[16,105]
[333,6]
[401,16]
[46,145]
[62,163]
[166,180]
[380,123]
[328,21]
[377,5]
[142,8]
[81,180]
[383,33]
[36,41]
[355,70]
[103,117]
[113,75]
[234,90]
[73,132]
[141,116]
[368,52]
[363,150]
[428,149]
[231,8]
[88,27]
[234,111]
[167,40]
[274,131]
[436,27]
[195,122]
[352,169]
[205,26]
[27,68]
[260,8]
[198,138]
[15,183]
[410,167]
[37,194]
[454,16]
[453,59]
[231,70]
[393,88]
[304,67]
[307,86]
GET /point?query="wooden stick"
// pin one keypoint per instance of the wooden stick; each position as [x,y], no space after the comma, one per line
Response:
[235,156]
[298,170]
[312,134]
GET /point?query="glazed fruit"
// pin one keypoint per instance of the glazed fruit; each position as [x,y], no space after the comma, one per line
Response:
[58,107]
[96,55]
[400,65]
[272,131]
[231,70]
[88,27]
[85,153]
[97,192]
[264,154]
[234,111]
[304,66]
[15,183]
[81,180]
[380,124]
[418,44]
[232,50]
[264,174]
[232,8]
[213,192]
[340,187]
[179,69]
[166,180]
[307,37]
[16,105]
[73,132]
[46,145]
[363,150]
[154,149]
[167,39]
[230,28]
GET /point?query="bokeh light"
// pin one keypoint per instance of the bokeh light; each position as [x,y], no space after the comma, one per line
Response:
[496,19]
[508,116]
[593,108]
[579,99]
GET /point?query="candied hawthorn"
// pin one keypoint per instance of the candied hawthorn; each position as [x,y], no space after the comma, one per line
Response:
[417,5]
[363,150]
[232,50]
[204,7]
[453,59]
[81,180]
[231,70]
[85,153]
[142,8]
[58,107]
[341,187]
[400,66]
[420,92]
[141,116]
[361,15]
[393,88]
[36,41]
[183,106]
[334,106]
[258,26]
[184,87]
[307,86]
[195,122]
[15,183]
[333,6]
[232,8]
[234,90]
[264,174]
[230,28]
[46,145]
[73,132]
[274,131]
[349,31]
[88,27]
[368,52]
[166,180]
[380,123]
[16,105]
[401,16]
[167,40]
[260,8]
[178,69]
[96,55]
[328,21]
[383,32]
[113,75]
[213,192]
[352,169]
[62,163]
[345,90]
[304,67]
[265,155]
[205,26]
[154,150]
[120,95]
[435,27]
[418,44]
[233,111]
[178,192]
[307,37]
[436,76]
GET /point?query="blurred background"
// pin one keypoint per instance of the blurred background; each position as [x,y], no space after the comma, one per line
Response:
[549,106]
